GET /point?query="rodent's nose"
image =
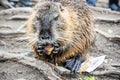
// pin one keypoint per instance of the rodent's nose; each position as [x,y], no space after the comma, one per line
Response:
[43,37]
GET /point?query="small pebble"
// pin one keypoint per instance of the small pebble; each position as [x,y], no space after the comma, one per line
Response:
[110,31]
[19,72]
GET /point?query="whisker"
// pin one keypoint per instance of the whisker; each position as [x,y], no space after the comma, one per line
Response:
[32,41]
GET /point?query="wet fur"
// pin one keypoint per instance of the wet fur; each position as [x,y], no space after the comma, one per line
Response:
[76,34]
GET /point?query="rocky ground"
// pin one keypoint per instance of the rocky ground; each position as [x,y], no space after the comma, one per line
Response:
[13,40]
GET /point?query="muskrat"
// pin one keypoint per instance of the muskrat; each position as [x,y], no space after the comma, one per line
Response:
[65,26]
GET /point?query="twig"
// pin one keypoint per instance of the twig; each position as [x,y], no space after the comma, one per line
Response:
[21,27]
[109,73]
[110,37]
[18,17]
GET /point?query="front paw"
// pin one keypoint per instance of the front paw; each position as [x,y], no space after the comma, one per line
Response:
[40,49]
[56,48]
[48,49]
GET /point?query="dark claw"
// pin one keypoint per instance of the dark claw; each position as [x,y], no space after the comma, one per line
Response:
[56,44]
[54,52]
[57,49]
[40,52]
[73,64]
[76,66]
[40,47]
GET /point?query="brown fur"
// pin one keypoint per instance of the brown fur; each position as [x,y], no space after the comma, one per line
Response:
[75,30]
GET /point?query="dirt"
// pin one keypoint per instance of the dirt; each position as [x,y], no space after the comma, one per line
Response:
[13,71]
[17,43]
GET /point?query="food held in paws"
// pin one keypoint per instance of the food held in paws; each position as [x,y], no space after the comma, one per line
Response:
[48,49]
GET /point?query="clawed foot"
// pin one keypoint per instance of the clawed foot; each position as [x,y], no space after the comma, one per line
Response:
[56,48]
[41,49]
[73,64]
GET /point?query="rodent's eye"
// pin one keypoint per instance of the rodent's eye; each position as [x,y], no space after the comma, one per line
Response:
[56,18]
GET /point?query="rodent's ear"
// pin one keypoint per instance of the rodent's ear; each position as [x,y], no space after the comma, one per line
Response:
[59,5]
[48,6]
[61,8]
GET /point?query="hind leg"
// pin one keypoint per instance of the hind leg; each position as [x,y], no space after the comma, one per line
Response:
[74,63]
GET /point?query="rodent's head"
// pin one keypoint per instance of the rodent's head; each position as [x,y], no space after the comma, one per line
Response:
[52,22]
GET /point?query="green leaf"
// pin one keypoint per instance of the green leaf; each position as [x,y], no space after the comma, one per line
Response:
[89,78]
